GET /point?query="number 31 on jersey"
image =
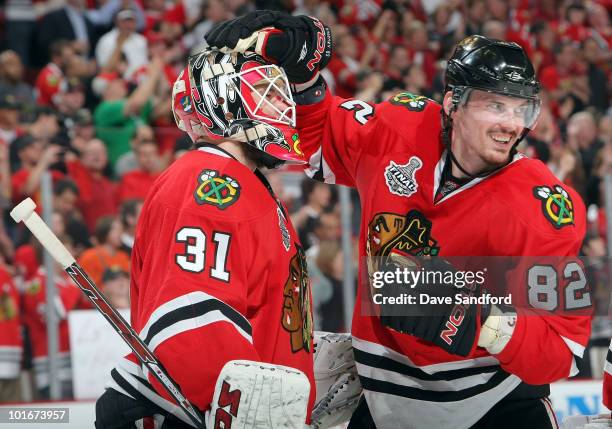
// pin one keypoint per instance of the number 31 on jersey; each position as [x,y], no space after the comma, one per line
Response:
[193,259]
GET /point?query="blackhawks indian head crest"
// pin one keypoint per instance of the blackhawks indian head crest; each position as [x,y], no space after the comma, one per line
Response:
[399,240]
[413,102]
[297,311]
[400,177]
[216,189]
[557,205]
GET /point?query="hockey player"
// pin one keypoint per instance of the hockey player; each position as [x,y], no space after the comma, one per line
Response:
[218,273]
[443,180]
[35,304]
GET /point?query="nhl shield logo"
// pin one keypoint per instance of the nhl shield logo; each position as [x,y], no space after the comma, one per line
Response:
[400,178]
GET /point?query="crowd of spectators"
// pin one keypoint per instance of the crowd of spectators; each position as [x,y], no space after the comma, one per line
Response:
[85,95]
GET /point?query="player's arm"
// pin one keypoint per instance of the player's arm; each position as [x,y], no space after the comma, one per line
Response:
[543,338]
[332,130]
[335,133]
[538,349]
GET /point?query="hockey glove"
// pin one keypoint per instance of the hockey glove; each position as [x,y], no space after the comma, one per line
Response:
[600,421]
[434,315]
[115,410]
[301,45]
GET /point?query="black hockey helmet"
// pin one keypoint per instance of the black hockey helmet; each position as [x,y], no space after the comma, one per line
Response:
[492,65]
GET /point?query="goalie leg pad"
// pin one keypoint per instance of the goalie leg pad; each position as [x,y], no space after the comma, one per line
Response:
[338,386]
[333,357]
[257,395]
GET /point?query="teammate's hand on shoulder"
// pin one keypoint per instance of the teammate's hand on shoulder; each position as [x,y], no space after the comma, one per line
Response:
[302,45]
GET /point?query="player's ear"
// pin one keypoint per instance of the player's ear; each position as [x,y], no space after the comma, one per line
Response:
[447,102]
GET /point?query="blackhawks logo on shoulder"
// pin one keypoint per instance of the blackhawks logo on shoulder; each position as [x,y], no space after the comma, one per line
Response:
[214,189]
[415,103]
[400,177]
[557,205]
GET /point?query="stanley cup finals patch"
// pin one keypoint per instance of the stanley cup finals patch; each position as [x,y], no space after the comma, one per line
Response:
[400,177]
[214,189]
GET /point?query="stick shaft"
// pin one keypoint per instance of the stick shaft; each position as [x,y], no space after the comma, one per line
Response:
[59,252]
[140,349]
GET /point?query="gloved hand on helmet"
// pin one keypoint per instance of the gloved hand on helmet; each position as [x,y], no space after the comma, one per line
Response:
[302,45]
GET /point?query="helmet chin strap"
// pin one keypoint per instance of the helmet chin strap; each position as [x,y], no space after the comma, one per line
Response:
[484,173]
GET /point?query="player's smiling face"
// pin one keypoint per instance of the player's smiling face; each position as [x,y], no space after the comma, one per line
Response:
[485,129]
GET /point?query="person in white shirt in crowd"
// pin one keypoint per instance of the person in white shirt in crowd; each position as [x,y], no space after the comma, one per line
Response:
[134,45]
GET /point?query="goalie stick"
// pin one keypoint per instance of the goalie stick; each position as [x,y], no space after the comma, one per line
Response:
[25,212]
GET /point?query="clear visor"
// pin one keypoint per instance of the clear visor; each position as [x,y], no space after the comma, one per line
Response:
[497,108]
[265,93]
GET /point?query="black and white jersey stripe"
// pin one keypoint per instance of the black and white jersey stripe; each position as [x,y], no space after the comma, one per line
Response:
[184,313]
[451,394]
[608,365]
[318,168]
[191,311]
[577,352]
[10,361]
[40,366]
[129,379]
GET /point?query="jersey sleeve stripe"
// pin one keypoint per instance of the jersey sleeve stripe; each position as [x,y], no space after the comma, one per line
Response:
[577,350]
[193,315]
[128,378]
[173,304]
[608,364]
[186,322]
[318,168]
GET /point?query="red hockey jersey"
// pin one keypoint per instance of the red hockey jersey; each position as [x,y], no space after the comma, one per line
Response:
[50,84]
[218,274]
[11,341]
[391,152]
[607,380]
[34,316]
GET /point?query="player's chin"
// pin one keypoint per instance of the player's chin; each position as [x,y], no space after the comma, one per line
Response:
[497,157]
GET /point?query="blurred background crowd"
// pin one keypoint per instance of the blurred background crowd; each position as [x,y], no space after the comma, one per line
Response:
[85,90]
